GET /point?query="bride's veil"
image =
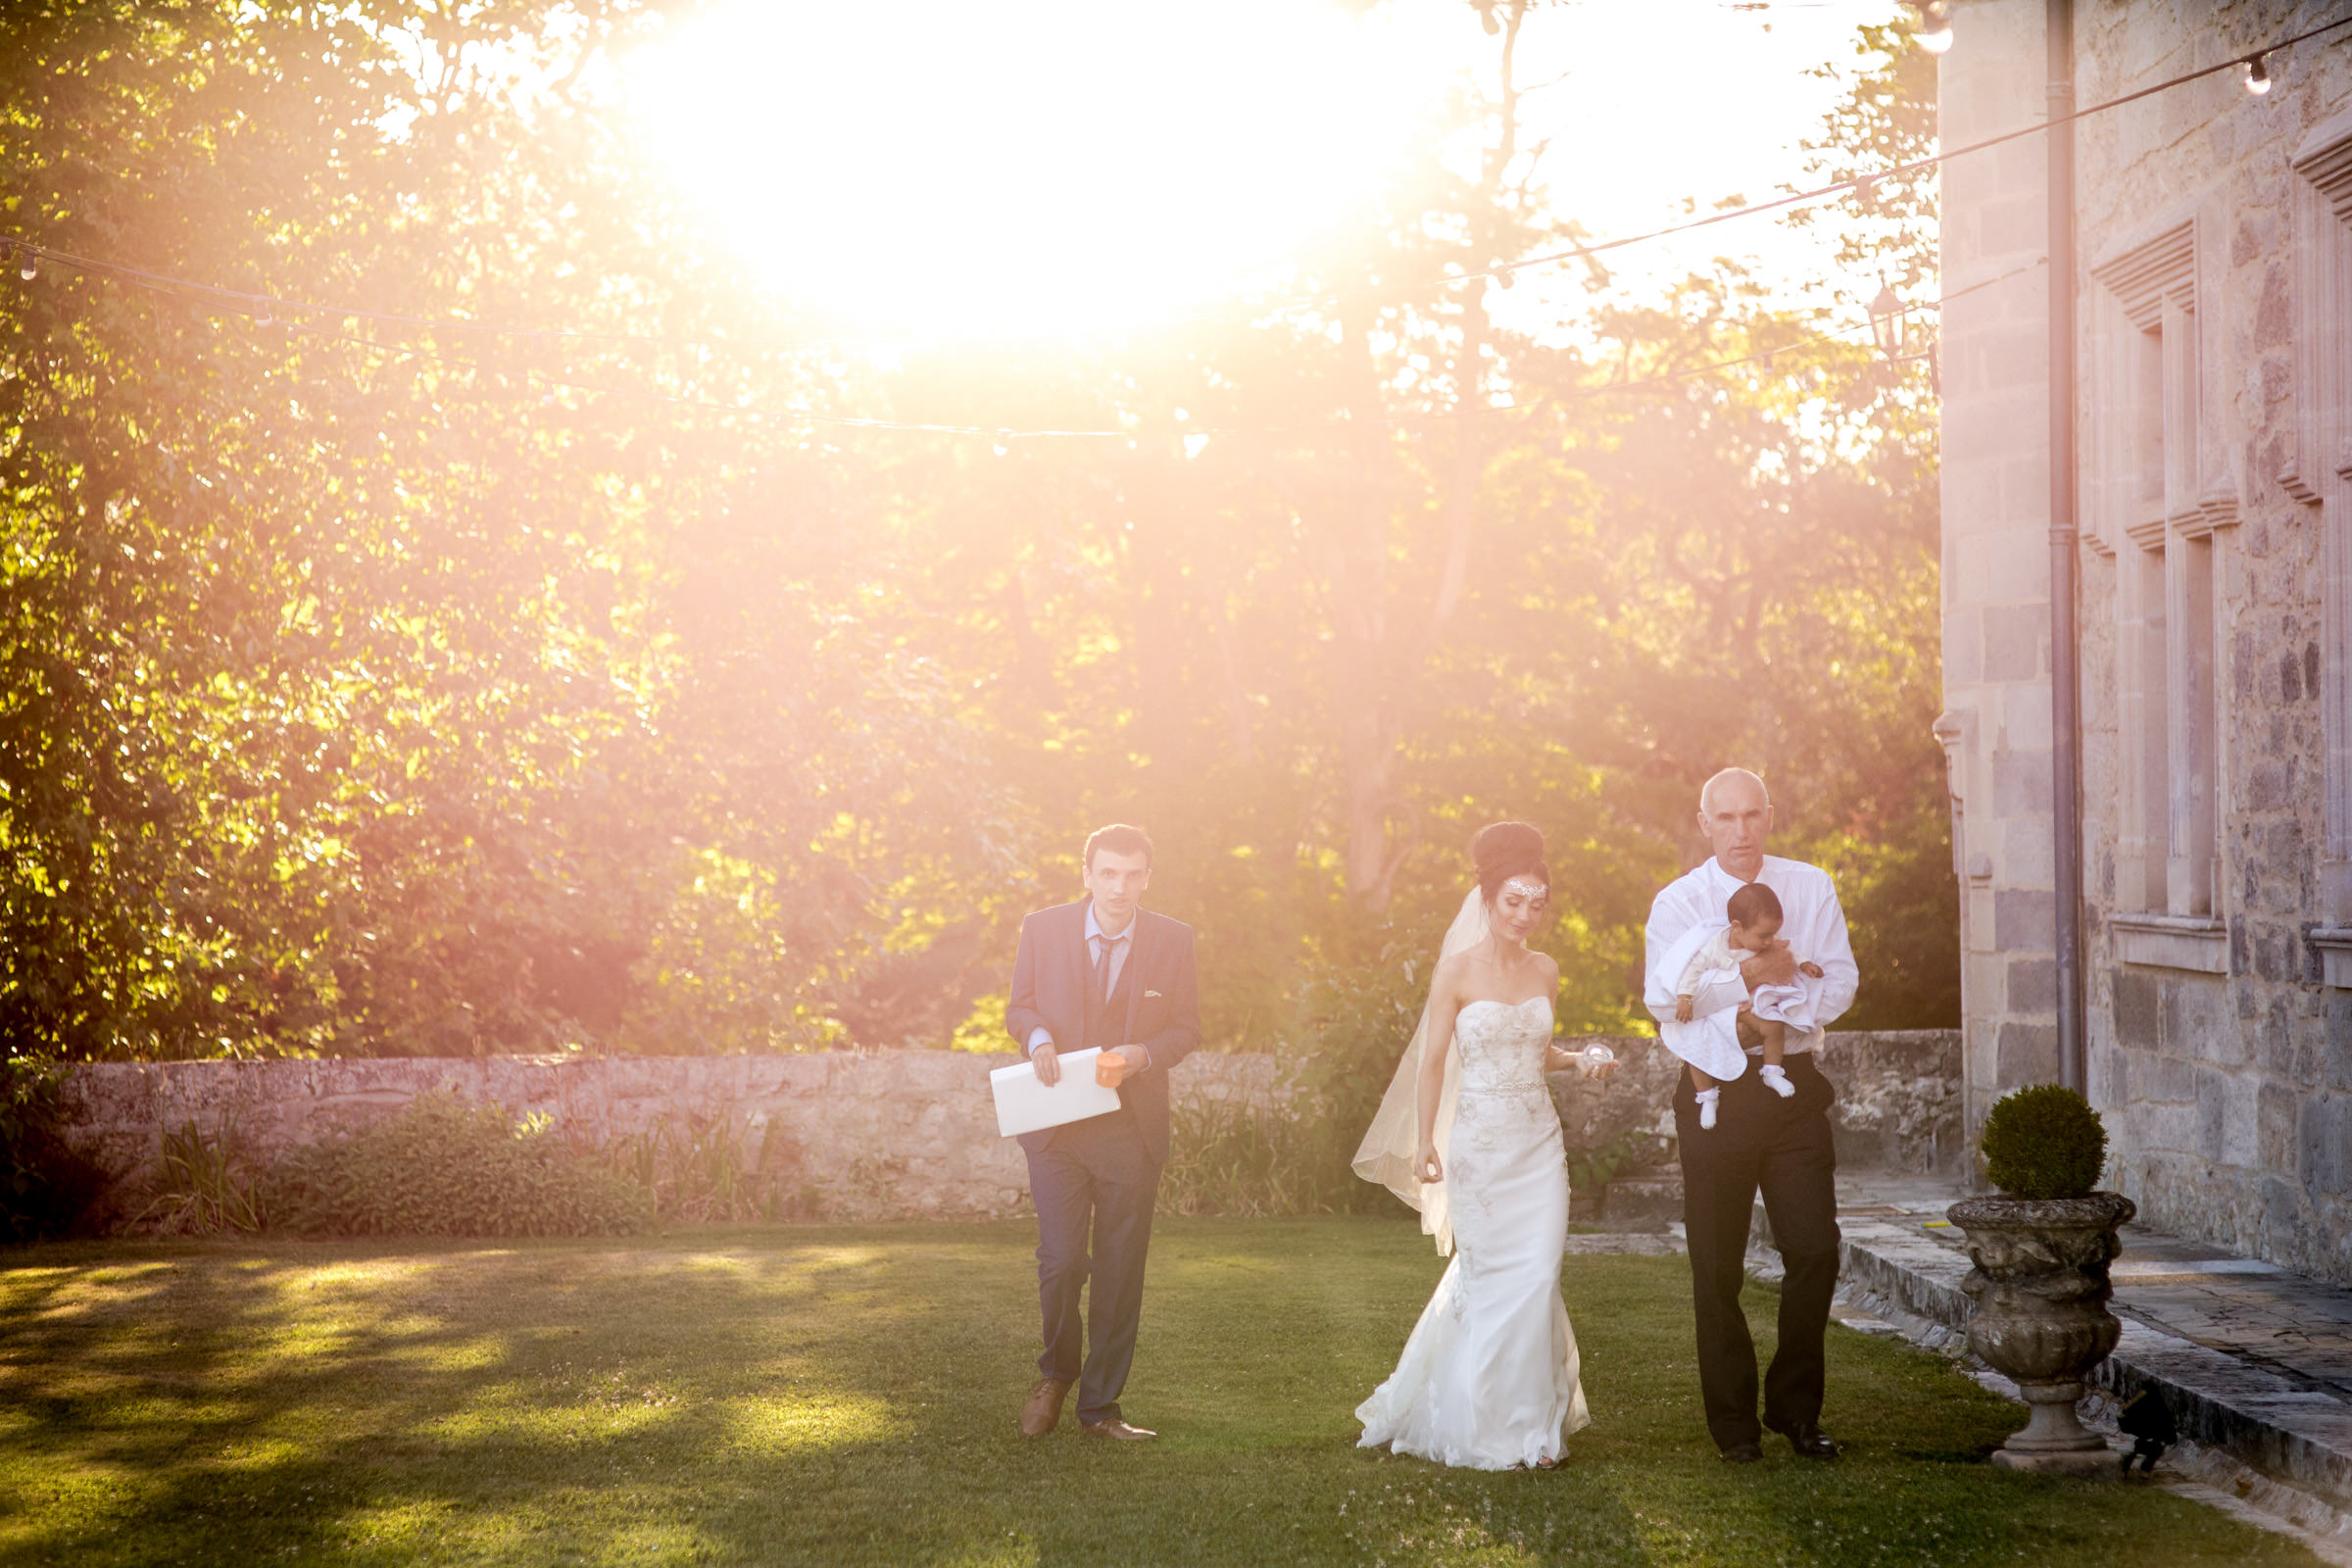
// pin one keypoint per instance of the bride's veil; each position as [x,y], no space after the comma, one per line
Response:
[1386,1156]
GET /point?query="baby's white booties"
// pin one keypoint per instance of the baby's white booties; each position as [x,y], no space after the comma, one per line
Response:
[1776,1079]
[1706,1105]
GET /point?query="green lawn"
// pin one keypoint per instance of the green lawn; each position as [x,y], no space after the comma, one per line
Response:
[848,1395]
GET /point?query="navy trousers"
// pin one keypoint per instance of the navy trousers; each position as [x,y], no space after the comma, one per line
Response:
[1094,1175]
[1781,1148]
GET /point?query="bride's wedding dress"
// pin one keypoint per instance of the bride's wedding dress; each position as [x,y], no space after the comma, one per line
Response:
[1488,1379]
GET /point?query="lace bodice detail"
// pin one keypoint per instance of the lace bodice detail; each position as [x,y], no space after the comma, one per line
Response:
[1502,1045]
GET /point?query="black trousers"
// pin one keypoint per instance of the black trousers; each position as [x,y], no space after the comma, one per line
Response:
[1094,1175]
[1782,1149]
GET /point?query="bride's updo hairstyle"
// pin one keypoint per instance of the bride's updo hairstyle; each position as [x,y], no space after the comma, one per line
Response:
[1503,851]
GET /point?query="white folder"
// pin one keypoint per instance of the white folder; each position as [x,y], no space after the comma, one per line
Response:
[1025,1105]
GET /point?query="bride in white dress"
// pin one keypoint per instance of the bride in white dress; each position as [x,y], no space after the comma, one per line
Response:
[1468,1135]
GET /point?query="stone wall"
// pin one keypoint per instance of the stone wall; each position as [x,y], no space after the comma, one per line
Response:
[903,1134]
[2212,355]
[894,1134]
[1897,1108]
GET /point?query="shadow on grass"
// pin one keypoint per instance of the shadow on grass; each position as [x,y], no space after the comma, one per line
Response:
[848,1395]
[209,1402]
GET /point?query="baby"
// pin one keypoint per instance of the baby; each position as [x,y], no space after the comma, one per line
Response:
[1755,915]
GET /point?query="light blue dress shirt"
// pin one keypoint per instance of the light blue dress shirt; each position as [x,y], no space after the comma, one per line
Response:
[1095,942]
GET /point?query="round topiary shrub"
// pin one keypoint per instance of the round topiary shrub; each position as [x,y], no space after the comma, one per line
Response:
[2044,1142]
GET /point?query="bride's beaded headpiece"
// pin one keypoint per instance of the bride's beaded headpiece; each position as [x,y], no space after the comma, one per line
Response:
[1527,888]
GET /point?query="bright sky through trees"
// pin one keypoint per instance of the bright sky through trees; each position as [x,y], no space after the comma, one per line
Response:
[938,168]
[1054,163]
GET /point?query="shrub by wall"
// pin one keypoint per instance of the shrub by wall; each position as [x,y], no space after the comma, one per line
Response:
[446,1166]
[47,1188]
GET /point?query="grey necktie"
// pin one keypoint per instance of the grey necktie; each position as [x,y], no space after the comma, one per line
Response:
[1105,947]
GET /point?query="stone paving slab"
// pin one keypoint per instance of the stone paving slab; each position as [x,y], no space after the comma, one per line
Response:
[2252,1359]
[2299,1328]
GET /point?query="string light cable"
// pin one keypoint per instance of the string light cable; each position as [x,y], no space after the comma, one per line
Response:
[271,309]
[1004,436]
[395,353]
[2253,66]
[268,309]
[1839,335]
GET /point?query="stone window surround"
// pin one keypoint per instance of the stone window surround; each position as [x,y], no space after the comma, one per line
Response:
[2333,945]
[2161,484]
[2318,472]
[2191,942]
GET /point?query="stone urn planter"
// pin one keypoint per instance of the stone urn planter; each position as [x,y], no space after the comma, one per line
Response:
[2042,1251]
[2040,1290]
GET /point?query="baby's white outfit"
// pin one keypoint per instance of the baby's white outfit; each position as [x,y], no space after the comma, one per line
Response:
[1716,952]
[1764,1001]
[1787,1002]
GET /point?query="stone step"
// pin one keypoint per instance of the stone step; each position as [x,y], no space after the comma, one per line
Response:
[1649,1203]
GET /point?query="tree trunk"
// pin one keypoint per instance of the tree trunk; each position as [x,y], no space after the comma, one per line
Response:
[1373,677]
[1470,369]
[1367,672]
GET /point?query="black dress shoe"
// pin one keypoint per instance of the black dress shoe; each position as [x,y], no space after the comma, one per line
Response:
[1741,1454]
[1810,1442]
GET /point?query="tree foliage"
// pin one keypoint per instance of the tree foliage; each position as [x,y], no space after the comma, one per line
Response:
[369,685]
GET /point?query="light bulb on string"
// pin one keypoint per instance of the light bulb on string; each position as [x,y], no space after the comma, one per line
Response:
[1503,277]
[2256,76]
[1935,28]
[30,265]
[1887,323]
[1004,443]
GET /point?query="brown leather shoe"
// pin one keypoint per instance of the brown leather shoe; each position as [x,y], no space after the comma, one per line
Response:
[1116,1429]
[1043,1413]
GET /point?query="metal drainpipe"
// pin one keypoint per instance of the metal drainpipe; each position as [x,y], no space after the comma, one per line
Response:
[2065,739]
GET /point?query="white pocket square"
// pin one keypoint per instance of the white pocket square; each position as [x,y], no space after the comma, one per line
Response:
[1149,994]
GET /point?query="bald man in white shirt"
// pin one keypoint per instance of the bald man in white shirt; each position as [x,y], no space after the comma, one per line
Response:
[1779,1148]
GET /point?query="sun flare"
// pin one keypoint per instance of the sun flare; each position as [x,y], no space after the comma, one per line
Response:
[936,167]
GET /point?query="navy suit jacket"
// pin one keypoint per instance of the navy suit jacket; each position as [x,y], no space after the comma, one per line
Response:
[1051,974]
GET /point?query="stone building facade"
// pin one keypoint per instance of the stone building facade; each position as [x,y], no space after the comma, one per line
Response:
[2214,483]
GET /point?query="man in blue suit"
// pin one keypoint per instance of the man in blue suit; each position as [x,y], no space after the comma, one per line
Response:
[1108,972]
